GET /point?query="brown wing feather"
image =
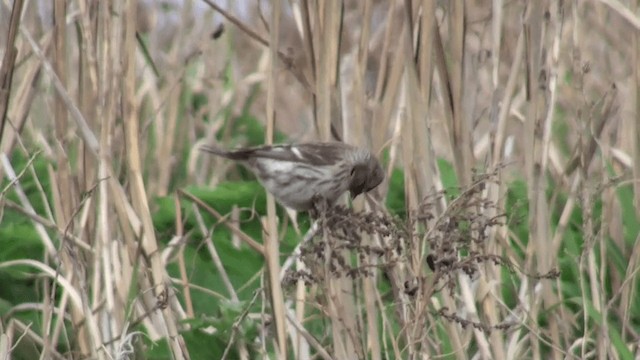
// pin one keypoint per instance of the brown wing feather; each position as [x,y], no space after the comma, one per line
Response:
[318,154]
[239,155]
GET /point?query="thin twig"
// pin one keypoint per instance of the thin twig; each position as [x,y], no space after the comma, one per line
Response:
[313,230]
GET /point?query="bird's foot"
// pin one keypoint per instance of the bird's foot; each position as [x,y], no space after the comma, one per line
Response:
[319,206]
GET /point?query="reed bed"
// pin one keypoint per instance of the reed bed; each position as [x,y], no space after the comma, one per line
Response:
[507,226]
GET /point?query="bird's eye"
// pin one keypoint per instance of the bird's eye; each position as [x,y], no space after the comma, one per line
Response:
[353,171]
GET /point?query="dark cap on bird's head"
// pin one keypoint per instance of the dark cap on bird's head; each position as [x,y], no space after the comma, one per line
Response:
[365,176]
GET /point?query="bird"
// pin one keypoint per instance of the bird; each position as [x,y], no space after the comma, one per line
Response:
[299,175]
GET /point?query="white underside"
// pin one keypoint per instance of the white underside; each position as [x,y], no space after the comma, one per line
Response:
[298,195]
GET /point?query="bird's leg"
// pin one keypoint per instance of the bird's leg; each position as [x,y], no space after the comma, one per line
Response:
[319,206]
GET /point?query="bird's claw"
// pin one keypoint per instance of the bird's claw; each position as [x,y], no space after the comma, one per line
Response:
[319,206]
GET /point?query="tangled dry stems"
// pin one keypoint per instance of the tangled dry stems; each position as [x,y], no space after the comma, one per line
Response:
[357,244]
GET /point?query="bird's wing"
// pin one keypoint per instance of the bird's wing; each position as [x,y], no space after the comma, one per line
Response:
[317,154]
[240,155]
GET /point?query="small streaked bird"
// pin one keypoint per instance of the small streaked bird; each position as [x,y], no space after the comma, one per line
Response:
[299,174]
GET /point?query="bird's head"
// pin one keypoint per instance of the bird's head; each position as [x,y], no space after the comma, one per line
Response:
[365,176]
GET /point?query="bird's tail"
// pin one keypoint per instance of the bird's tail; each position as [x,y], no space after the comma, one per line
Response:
[242,154]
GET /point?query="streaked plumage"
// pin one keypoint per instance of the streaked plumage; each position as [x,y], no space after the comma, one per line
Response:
[298,173]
